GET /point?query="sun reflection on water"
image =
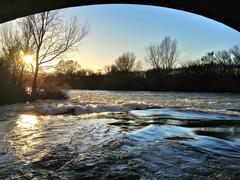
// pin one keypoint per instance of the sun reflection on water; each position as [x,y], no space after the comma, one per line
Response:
[27,138]
[27,121]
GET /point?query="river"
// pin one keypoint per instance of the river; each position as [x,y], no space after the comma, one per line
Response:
[122,135]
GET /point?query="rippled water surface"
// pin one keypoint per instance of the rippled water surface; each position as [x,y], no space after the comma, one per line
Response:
[122,135]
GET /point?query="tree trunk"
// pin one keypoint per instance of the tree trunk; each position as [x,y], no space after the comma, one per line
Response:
[35,78]
[34,84]
[19,84]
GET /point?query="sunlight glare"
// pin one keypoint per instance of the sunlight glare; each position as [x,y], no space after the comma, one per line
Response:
[27,121]
[28,59]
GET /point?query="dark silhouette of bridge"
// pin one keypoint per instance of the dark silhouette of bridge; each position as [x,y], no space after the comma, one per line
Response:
[224,11]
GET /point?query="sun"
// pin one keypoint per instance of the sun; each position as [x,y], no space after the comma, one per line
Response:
[28,59]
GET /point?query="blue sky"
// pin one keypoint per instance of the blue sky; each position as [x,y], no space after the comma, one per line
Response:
[116,29]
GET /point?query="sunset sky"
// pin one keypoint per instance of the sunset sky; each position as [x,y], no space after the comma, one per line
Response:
[116,29]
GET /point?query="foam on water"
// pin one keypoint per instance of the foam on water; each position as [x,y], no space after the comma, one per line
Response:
[87,109]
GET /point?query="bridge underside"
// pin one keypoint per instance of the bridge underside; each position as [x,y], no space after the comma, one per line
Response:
[224,11]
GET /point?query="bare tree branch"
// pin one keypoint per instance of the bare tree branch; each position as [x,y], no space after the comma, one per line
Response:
[163,55]
[52,37]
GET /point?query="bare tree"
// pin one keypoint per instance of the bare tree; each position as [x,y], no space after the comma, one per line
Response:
[12,48]
[138,66]
[109,69]
[208,58]
[189,63]
[163,55]
[67,66]
[223,58]
[52,37]
[125,62]
[235,51]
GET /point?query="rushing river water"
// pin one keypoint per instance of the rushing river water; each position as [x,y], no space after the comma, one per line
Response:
[122,135]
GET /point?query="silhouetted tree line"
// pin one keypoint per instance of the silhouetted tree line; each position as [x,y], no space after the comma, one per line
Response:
[214,72]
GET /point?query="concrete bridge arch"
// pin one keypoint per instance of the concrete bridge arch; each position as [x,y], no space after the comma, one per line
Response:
[224,11]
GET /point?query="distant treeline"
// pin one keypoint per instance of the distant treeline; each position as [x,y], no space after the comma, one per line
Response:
[214,72]
[198,78]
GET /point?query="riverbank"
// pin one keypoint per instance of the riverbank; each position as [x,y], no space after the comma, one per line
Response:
[23,96]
